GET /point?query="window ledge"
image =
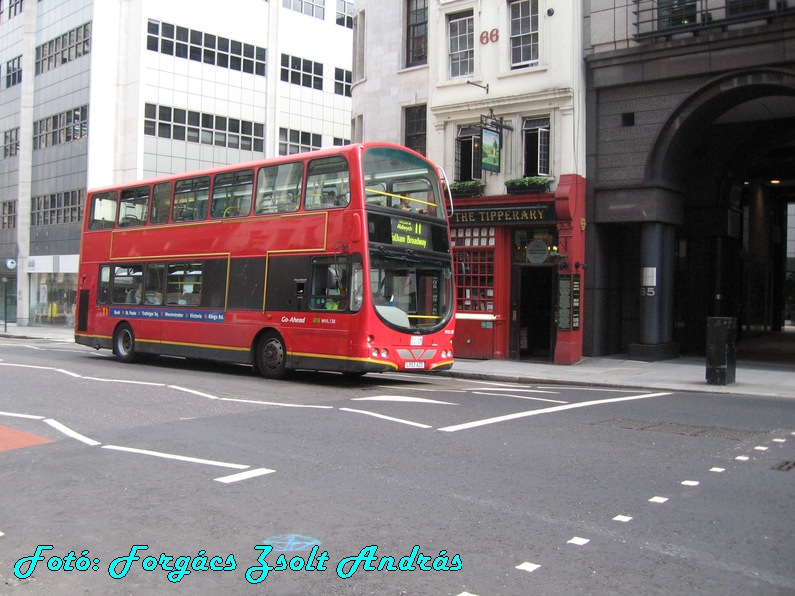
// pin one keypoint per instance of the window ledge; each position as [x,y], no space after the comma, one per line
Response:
[521,71]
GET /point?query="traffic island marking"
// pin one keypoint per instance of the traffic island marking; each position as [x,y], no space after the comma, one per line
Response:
[11,438]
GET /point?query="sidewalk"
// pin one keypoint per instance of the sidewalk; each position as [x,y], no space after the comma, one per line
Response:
[682,374]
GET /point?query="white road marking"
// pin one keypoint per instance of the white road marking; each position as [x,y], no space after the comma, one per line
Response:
[742,458]
[586,404]
[390,418]
[244,475]
[622,518]
[690,482]
[70,433]
[554,401]
[193,391]
[13,415]
[605,389]
[717,469]
[193,460]
[530,567]
[403,398]
[273,403]
[409,388]
[578,541]
[760,448]
[779,440]
[516,389]
[658,499]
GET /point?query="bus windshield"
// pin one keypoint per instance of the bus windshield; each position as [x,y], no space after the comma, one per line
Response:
[410,292]
[400,180]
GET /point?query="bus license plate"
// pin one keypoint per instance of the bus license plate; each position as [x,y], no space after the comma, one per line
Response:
[415,365]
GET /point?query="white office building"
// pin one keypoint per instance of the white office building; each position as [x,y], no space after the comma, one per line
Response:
[97,93]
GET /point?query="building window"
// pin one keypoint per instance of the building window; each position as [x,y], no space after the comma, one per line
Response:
[342,82]
[417,33]
[677,13]
[14,72]
[61,128]
[296,141]
[58,208]
[300,71]
[8,220]
[461,38]
[63,49]
[416,128]
[524,33]
[474,279]
[467,154]
[313,8]
[341,142]
[207,48]
[10,143]
[536,147]
[345,13]
[209,129]
[15,8]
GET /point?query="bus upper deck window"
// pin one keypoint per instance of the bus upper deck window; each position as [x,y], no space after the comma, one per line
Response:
[190,199]
[103,210]
[134,206]
[232,194]
[279,188]
[328,183]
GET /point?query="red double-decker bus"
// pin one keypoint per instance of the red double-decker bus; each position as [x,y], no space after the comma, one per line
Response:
[335,260]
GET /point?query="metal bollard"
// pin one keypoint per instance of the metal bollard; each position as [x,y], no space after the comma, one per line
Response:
[721,350]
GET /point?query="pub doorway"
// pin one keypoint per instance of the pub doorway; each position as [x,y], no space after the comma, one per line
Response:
[532,307]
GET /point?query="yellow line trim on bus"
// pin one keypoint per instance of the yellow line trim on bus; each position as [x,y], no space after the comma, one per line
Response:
[389,194]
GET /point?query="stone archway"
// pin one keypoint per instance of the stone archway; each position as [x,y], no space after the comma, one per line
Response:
[721,149]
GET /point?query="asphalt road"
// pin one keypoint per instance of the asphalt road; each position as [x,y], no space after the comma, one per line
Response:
[503,489]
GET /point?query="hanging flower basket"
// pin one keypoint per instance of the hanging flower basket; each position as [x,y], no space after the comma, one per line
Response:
[528,185]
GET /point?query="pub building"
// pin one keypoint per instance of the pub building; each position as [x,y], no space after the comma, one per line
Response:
[519,266]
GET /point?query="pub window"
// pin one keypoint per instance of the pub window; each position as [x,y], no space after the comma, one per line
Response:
[536,147]
[474,269]
[467,154]
[524,33]
[461,44]
[417,33]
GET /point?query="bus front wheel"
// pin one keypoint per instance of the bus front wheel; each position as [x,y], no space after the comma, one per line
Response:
[124,343]
[272,356]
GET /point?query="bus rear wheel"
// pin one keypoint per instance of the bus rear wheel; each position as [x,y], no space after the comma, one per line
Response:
[271,356]
[124,343]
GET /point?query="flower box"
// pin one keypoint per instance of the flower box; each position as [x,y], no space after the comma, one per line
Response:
[528,185]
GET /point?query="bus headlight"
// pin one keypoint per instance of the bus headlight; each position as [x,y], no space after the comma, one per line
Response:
[374,353]
[384,353]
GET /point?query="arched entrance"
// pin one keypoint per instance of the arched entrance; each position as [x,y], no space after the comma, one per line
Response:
[729,151]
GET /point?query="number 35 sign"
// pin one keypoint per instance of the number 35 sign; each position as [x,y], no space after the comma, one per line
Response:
[492,36]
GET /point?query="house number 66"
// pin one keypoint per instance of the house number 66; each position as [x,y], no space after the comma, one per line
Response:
[490,36]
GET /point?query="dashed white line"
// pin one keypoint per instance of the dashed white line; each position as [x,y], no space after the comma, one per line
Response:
[529,567]
[742,458]
[244,475]
[760,448]
[390,418]
[779,440]
[70,433]
[622,518]
[578,541]
[658,499]
[193,460]
[690,482]
[717,470]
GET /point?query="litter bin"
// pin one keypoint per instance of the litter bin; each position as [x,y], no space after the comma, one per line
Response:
[721,350]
